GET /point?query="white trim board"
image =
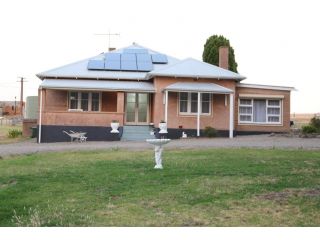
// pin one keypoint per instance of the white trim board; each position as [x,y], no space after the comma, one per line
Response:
[270,87]
[261,96]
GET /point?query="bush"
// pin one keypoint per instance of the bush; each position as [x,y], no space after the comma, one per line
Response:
[210,132]
[14,133]
[309,129]
[315,122]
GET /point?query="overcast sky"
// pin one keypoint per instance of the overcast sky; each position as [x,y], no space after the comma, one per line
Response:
[275,42]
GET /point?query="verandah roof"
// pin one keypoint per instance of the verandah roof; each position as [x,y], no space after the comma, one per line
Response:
[97,85]
[198,87]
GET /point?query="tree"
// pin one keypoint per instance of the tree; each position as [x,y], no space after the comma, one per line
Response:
[211,51]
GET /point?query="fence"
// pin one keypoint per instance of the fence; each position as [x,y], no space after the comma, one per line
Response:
[10,121]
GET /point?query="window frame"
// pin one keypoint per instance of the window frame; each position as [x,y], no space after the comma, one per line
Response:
[189,113]
[267,122]
[79,100]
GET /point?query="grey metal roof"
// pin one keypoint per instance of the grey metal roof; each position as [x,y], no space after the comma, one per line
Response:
[175,67]
[79,69]
[198,87]
[196,69]
[97,85]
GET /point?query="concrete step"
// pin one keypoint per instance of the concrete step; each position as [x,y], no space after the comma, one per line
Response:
[136,133]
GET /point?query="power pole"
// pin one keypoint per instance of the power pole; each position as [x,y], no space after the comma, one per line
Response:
[15,105]
[109,38]
[22,80]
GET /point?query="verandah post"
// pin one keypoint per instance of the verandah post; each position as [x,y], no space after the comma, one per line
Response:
[198,116]
[231,116]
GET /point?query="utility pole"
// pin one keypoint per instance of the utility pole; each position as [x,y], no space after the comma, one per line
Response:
[22,80]
[15,105]
[109,38]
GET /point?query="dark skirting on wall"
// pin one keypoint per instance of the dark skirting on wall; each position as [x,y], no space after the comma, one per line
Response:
[176,133]
[50,133]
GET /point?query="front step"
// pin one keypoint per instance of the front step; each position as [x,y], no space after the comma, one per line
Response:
[136,133]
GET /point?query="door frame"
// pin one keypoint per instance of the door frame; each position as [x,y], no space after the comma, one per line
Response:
[136,109]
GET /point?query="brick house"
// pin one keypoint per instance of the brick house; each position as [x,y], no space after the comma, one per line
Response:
[10,108]
[139,87]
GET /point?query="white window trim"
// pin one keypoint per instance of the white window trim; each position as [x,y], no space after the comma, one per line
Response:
[267,115]
[188,113]
[79,93]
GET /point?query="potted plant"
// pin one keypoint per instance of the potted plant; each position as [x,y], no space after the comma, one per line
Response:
[163,127]
[114,125]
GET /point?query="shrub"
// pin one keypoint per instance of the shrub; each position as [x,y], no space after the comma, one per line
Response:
[315,122]
[309,129]
[210,132]
[14,133]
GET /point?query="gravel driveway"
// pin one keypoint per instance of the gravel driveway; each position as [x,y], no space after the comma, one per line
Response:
[259,141]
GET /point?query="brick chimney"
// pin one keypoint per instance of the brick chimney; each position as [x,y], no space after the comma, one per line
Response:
[224,57]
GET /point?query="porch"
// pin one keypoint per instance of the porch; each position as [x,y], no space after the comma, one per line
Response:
[88,105]
[196,105]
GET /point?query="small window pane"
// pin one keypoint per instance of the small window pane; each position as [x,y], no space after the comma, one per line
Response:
[194,107]
[95,102]
[130,117]
[245,110]
[84,101]
[184,96]
[205,107]
[274,119]
[274,111]
[73,100]
[274,102]
[205,97]
[142,117]
[131,97]
[194,96]
[184,106]
[245,101]
[244,118]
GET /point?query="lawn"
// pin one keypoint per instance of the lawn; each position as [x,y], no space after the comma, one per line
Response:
[219,187]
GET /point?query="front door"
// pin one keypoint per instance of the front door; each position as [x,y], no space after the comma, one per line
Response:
[137,106]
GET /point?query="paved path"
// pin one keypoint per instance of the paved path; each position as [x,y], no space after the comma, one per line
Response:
[261,141]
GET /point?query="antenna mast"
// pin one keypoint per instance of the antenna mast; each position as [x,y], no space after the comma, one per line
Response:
[109,38]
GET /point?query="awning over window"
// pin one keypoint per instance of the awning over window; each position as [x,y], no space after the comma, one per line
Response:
[197,87]
[97,85]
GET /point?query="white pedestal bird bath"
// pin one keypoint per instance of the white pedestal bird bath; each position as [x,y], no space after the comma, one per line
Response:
[158,143]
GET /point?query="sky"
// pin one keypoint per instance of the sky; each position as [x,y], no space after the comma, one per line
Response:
[276,42]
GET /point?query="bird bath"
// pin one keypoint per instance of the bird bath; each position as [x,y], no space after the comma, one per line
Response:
[158,143]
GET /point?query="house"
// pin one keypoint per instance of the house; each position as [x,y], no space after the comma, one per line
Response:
[10,108]
[139,87]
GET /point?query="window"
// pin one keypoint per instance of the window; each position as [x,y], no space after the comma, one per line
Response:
[188,103]
[194,102]
[259,111]
[73,98]
[86,101]
[95,101]
[205,103]
[184,102]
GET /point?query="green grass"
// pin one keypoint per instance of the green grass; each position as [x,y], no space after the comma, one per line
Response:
[229,187]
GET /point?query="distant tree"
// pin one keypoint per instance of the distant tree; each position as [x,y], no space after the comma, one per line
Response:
[211,51]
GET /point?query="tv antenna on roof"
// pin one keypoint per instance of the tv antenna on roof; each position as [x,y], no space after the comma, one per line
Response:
[109,34]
